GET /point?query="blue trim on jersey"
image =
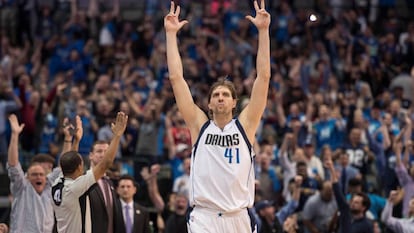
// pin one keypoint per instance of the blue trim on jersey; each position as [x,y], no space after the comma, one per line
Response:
[243,133]
[253,223]
[203,128]
[249,145]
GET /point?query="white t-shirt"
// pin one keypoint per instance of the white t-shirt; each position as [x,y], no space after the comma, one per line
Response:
[68,213]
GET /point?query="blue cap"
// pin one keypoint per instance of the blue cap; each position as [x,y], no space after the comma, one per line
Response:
[263,204]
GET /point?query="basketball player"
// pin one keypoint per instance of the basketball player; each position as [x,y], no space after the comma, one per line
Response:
[221,178]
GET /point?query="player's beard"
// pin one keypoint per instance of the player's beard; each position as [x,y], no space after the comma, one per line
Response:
[221,110]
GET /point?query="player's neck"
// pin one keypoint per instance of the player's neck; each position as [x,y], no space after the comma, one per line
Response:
[221,121]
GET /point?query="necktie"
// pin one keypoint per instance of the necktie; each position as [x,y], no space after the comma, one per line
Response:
[128,221]
[108,204]
[343,180]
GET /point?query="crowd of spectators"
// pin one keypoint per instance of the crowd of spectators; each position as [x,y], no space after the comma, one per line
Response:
[341,88]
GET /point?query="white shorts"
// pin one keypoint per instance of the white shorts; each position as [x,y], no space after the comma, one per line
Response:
[202,220]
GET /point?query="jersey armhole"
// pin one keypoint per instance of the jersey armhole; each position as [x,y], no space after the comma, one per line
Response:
[249,145]
[203,128]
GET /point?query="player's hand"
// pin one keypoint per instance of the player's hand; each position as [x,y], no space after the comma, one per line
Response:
[262,19]
[118,128]
[14,124]
[171,21]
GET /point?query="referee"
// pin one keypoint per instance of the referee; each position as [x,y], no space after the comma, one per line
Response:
[73,184]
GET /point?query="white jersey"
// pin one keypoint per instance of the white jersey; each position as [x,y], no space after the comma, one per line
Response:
[222,174]
[66,202]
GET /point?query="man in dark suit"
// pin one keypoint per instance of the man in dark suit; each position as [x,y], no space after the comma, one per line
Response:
[105,209]
[135,217]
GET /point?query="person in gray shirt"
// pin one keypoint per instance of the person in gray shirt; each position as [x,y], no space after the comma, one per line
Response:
[320,209]
[402,225]
[32,210]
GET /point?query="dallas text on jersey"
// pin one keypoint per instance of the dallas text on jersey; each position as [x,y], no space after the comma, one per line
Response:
[222,140]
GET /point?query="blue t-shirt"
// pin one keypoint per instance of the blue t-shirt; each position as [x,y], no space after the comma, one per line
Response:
[177,168]
[327,133]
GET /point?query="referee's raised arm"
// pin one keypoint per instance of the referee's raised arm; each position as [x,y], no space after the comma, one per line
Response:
[118,129]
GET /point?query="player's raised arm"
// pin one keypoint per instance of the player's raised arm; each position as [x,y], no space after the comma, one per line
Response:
[250,116]
[192,114]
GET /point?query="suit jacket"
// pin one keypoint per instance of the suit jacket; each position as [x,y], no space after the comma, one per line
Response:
[99,215]
[141,220]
